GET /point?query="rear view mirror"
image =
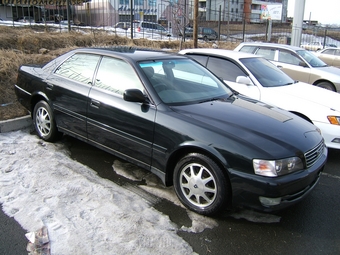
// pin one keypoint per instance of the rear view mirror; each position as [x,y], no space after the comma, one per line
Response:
[303,64]
[243,80]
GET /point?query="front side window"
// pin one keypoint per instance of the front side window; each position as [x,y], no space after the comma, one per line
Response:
[329,51]
[266,72]
[116,75]
[79,67]
[289,58]
[313,60]
[159,27]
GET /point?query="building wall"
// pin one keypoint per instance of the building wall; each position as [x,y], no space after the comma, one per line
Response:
[237,10]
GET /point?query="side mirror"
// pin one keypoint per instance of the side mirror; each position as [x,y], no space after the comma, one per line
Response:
[303,64]
[134,95]
[243,80]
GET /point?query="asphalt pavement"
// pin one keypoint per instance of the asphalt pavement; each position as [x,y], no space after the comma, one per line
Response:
[310,227]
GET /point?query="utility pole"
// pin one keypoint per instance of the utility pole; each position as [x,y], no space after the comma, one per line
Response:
[195,35]
[299,10]
[131,19]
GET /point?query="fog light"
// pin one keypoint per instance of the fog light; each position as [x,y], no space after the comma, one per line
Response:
[336,140]
[268,201]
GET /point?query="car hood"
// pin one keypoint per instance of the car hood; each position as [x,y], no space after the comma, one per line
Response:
[253,126]
[328,70]
[308,93]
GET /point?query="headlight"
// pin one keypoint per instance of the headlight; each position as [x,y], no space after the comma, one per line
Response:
[273,168]
[335,120]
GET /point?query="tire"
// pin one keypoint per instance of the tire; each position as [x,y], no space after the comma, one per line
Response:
[44,122]
[326,85]
[200,184]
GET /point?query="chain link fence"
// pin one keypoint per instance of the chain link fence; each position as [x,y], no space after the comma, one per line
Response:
[177,19]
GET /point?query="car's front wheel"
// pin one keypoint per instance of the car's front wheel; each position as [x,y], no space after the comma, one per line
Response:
[44,123]
[326,85]
[200,184]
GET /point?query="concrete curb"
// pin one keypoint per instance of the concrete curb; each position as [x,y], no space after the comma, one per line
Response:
[16,124]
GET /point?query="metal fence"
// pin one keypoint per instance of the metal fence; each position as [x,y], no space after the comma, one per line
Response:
[105,15]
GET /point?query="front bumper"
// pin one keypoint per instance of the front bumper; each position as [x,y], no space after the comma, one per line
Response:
[250,189]
[330,133]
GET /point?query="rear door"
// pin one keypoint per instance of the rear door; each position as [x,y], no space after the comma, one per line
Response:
[68,88]
[120,127]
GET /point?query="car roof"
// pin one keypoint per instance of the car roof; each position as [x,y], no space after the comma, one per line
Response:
[220,52]
[275,45]
[131,53]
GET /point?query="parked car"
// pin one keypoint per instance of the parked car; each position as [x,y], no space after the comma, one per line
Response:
[331,56]
[203,33]
[151,27]
[189,32]
[172,116]
[313,46]
[331,45]
[26,19]
[207,34]
[257,78]
[123,25]
[298,63]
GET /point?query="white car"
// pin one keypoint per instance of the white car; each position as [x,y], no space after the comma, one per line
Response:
[256,77]
[299,64]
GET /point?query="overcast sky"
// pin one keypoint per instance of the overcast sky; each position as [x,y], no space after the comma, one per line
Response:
[325,11]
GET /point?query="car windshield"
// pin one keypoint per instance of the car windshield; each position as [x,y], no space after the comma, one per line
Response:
[313,60]
[266,72]
[183,81]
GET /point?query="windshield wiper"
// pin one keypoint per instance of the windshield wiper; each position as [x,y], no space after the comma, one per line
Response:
[215,99]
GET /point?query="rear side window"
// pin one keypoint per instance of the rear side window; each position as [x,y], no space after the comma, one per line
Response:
[249,49]
[79,67]
[200,59]
[266,53]
[225,69]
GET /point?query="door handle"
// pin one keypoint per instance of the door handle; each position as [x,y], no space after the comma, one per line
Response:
[49,86]
[95,103]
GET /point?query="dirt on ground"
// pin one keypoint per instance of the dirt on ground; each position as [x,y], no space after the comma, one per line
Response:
[21,46]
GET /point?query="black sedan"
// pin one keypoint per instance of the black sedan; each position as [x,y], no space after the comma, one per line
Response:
[170,115]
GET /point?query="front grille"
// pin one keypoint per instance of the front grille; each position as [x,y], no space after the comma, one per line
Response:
[314,154]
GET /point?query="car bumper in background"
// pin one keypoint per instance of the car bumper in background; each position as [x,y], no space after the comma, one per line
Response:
[330,133]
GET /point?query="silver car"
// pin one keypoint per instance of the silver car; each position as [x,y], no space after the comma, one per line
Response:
[330,56]
[298,63]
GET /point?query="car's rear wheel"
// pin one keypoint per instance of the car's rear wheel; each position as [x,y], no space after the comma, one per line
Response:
[44,122]
[200,184]
[326,85]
